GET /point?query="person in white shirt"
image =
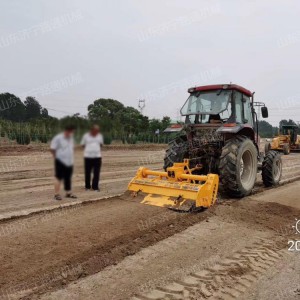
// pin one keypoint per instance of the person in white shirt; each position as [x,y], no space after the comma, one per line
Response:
[92,142]
[62,149]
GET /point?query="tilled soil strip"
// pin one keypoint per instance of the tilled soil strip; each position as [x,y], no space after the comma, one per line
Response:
[45,252]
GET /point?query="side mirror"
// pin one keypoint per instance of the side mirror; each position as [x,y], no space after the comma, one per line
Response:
[264,112]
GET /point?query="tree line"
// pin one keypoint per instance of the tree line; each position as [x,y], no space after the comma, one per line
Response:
[13,109]
[116,120]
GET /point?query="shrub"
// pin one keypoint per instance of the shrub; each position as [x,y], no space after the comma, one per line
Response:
[43,138]
[23,138]
[11,135]
[132,140]
[107,139]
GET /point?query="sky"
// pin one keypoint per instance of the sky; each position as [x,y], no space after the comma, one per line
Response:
[68,53]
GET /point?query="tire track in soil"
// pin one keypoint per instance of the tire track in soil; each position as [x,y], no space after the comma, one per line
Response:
[226,280]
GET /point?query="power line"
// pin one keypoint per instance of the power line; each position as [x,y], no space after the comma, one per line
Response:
[61,111]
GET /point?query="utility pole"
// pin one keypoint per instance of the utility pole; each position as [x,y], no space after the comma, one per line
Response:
[142,105]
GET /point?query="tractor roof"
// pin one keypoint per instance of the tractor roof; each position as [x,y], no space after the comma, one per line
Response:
[220,86]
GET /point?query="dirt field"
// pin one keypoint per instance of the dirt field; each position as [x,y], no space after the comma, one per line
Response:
[26,176]
[117,248]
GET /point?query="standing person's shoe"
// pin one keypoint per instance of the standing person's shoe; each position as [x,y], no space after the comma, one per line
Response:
[57,197]
[98,190]
[70,195]
[87,189]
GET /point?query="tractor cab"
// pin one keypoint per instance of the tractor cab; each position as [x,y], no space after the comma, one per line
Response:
[229,108]
[290,130]
[220,104]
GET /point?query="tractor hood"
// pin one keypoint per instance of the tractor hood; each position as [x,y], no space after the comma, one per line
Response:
[230,128]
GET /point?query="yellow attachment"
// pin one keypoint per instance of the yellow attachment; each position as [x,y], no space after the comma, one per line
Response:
[176,188]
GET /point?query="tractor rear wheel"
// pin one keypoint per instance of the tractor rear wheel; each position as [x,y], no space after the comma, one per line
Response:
[176,152]
[286,149]
[238,166]
[271,168]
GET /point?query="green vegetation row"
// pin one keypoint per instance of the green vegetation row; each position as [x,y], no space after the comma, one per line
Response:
[38,131]
[29,121]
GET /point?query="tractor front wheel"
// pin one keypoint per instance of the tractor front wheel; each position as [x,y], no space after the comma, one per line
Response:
[267,147]
[238,166]
[286,149]
[271,169]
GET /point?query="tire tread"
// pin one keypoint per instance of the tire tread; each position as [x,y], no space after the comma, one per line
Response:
[267,168]
[227,166]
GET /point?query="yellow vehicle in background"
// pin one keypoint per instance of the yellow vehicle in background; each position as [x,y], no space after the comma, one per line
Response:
[287,140]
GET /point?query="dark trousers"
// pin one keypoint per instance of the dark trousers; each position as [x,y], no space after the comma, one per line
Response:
[92,164]
[64,173]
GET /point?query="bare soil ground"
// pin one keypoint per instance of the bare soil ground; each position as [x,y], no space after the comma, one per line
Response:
[117,248]
[237,252]
[26,175]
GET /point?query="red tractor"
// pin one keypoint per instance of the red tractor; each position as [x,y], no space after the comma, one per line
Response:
[220,136]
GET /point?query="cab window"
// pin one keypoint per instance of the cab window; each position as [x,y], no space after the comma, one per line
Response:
[238,108]
[247,110]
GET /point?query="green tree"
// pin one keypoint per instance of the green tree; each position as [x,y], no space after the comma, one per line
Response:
[165,122]
[116,118]
[154,124]
[33,108]
[44,112]
[265,129]
[11,108]
[132,120]
[104,108]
